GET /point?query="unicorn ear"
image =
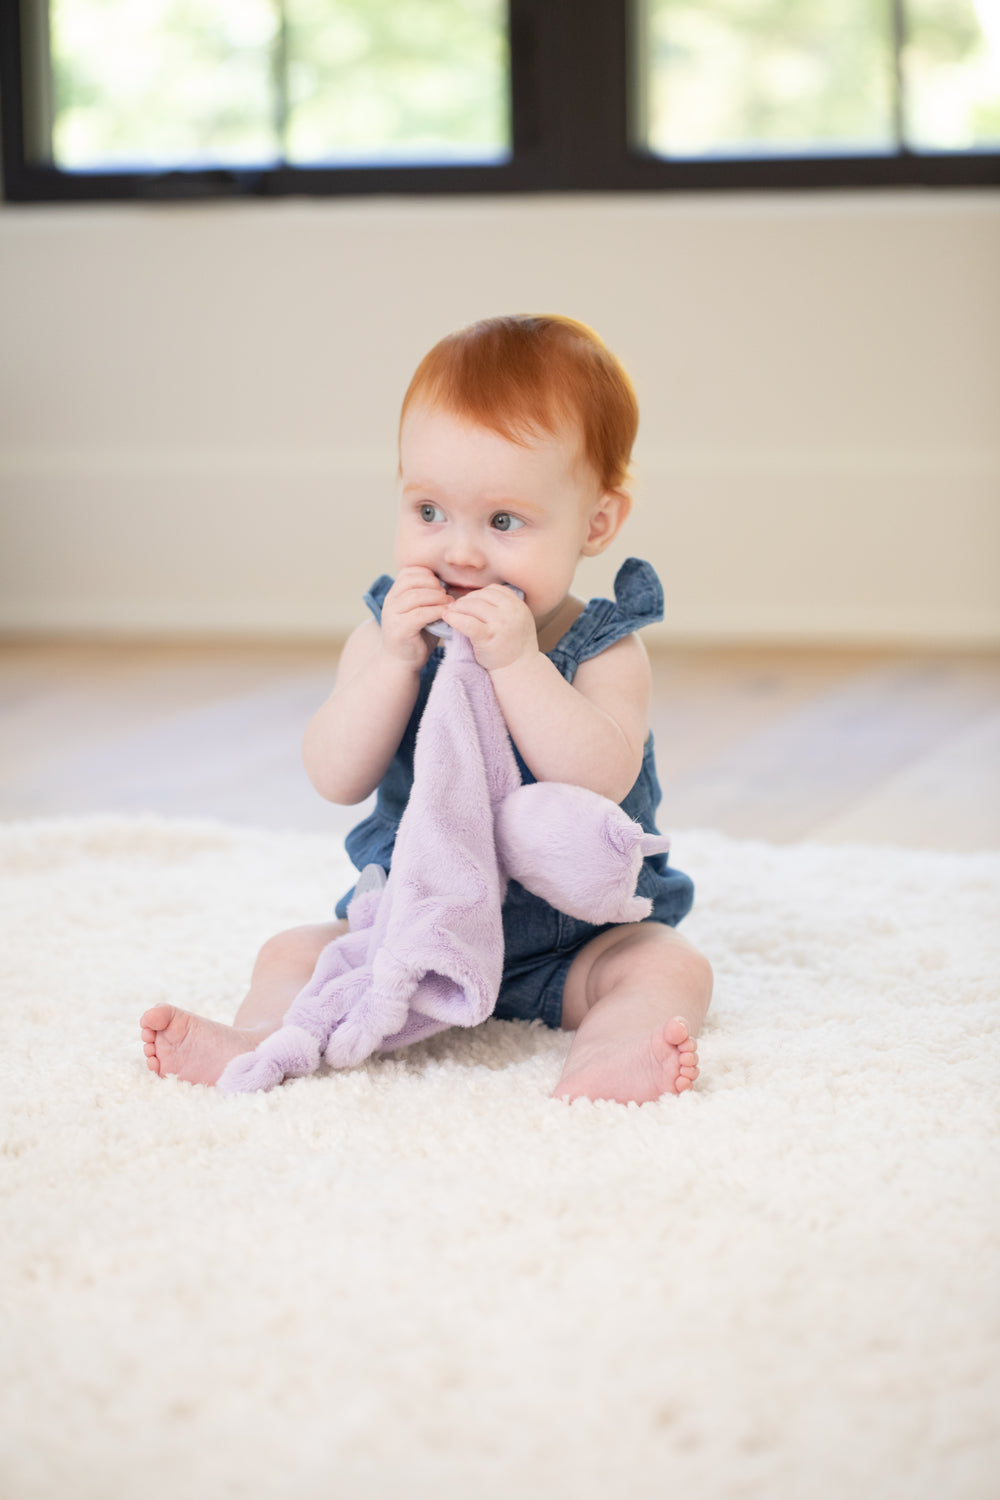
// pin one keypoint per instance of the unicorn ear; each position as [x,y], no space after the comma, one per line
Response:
[576,850]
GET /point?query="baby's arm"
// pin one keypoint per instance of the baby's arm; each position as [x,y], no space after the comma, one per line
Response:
[590,733]
[353,737]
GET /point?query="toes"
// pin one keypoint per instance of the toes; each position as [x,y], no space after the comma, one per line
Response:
[152,1023]
[676,1032]
[686,1079]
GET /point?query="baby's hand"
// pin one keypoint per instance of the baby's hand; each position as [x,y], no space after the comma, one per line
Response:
[500,626]
[415,601]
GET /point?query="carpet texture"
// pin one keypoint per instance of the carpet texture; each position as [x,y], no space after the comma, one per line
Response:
[424,1277]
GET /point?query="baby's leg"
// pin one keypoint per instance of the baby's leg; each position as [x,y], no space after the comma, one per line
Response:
[196,1049]
[636,997]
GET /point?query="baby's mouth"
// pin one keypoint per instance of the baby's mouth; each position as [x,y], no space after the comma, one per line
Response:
[459,590]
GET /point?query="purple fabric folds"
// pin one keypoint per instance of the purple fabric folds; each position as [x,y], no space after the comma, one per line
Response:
[425,951]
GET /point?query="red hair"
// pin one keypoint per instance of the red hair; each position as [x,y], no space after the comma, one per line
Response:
[522,375]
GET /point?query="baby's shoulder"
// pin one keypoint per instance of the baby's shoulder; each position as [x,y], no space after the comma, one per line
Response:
[638,601]
[624,663]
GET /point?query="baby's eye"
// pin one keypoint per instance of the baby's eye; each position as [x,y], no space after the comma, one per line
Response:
[504,521]
[431,513]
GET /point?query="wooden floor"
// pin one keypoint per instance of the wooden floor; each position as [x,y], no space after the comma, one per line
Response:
[837,745]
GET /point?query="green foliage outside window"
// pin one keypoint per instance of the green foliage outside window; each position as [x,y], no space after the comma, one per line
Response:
[195,82]
[793,77]
[952,74]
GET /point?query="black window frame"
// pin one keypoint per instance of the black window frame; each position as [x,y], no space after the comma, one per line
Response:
[571,64]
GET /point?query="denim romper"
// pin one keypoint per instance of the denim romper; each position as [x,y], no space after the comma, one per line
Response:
[540,943]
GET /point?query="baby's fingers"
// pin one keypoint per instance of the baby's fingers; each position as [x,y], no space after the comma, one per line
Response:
[498,636]
[416,586]
[428,600]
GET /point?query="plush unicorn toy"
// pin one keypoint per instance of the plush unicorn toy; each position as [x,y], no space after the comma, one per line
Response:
[424,949]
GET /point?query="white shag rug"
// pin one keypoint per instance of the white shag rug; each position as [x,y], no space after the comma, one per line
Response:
[426,1278]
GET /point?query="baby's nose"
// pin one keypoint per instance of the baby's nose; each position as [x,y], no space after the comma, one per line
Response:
[463,550]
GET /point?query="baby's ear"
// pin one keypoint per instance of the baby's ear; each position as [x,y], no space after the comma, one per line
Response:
[606,520]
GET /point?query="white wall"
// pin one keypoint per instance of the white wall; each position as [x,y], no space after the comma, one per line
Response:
[198,403]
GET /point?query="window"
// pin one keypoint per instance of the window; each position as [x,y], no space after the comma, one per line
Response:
[194,83]
[773,78]
[115,99]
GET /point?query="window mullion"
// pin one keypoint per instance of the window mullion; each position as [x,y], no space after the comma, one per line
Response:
[590,88]
[279,81]
[898,22]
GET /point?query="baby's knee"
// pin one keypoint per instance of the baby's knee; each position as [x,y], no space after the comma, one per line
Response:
[702,975]
[650,954]
[691,966]
[297,949]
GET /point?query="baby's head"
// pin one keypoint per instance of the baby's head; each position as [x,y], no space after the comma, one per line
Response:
[522,376]
[515,440]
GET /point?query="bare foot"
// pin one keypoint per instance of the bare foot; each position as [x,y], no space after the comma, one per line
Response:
[631,1069]
[192,1047]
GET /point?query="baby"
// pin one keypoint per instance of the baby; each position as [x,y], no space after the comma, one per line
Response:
[515,439]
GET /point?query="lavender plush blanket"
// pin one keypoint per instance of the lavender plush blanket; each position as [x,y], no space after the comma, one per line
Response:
[425,946]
